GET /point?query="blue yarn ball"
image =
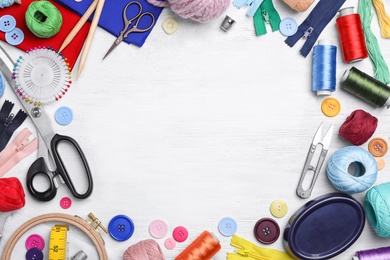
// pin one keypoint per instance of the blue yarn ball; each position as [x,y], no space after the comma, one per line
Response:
[377,207]
[364,175]
[2,86]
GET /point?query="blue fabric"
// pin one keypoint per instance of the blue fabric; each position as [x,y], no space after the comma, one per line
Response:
[111,18]
[317,20]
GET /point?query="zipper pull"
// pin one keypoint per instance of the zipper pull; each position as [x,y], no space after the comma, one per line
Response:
[243,252]
[9,119]
[308,32]
[265,15]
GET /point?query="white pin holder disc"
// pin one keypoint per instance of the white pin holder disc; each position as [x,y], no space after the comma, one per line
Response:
[42,76]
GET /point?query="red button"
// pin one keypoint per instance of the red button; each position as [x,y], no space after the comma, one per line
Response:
[267,230]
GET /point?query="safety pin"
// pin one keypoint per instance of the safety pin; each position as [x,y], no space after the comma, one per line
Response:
[324,142]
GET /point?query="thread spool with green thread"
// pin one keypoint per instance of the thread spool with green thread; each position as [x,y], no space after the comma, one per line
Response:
[43,19]
[366,87]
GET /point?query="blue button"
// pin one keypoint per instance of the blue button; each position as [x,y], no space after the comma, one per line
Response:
[121,227]
[64,115]
[34,254]
[227,226]
[288,26]
[14,37]
[7,23]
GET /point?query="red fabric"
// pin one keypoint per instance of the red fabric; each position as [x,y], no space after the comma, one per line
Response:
[11,194]
[69,20]
[358,127]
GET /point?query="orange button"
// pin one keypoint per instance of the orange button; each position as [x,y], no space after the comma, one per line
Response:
[380,162]
[330,107]
[377,147]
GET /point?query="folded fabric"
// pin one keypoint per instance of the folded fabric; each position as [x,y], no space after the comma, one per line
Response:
[111,18]
[30,40]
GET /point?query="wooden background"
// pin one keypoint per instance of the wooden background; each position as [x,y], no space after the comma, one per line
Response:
[200,125]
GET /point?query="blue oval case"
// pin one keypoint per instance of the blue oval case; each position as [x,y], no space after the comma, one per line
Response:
[324,227]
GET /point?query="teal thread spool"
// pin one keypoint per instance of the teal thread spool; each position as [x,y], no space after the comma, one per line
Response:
[366,87]
[377,206]
[43,19]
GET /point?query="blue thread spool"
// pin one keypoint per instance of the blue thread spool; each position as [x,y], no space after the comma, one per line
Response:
[340,164]
[324,68]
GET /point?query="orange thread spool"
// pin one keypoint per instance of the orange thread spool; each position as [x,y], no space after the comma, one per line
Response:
[353,45]
[203,247]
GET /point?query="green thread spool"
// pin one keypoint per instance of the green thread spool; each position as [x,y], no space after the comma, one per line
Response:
[366,87]
[43,19]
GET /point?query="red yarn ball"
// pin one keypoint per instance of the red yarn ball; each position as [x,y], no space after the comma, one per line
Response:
[358,127]
[11,194]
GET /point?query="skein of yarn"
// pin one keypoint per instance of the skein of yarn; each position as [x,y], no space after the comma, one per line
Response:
[198,10]
[377,206]
[7,3]
[365,166]
[358,127]
[299,5]
[145,250]
[12,195]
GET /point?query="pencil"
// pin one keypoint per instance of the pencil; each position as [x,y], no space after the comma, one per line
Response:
[91,33]
[78,25]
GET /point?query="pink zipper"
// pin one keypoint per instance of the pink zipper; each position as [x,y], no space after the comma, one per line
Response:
[18,149]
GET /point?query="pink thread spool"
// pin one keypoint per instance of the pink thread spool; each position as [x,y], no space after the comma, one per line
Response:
[198,10]
[146,250]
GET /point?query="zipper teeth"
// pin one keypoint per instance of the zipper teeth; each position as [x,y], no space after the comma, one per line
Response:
[22,138]
[325,10]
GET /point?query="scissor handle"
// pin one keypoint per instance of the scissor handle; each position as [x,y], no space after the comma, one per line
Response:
[129,21]
[135,27]
[40,167]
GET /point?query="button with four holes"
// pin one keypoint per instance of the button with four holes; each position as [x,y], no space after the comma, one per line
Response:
[35,241]
[377,147]
[278,208]
[267,230]
[158,228]
[14,37]
[34,254]
[227,226]
[330,107]
[65,202]
[64,115]
[121,227]
[170,243]
[380,162]
[288,26]
[180,234]
[7,23]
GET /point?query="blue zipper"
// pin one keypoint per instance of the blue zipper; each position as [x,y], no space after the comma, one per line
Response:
[311,28]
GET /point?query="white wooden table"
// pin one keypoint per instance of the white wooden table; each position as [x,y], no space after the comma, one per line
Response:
[200,125]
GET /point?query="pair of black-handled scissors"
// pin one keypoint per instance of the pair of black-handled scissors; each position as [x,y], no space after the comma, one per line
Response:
[48,147]
[127,22]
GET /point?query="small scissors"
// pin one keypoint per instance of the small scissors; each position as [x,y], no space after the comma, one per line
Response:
[48,147]
[127,22]
[324,142]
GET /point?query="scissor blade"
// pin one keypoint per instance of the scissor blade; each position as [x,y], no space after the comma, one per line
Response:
[318,135]
[113,46]
[327,138]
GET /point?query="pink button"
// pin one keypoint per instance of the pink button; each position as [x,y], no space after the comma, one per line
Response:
[36,241]
[158,228]
[170,243]
[65,202]
[180,234]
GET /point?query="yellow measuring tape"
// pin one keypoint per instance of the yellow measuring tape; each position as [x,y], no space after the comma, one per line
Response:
[57,245]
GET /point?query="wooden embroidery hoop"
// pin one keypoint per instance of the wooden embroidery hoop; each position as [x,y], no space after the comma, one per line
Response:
[56,217]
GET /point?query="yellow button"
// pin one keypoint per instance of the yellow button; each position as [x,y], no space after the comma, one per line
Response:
[278,208]
[170,25]
[377,147]
[380,162]
[330,107]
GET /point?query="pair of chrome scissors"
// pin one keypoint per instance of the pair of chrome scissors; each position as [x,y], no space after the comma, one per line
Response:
[308,167]
[48,155]
[134,28]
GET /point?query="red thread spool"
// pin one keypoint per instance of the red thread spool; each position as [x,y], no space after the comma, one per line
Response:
[350,29]
[204,247]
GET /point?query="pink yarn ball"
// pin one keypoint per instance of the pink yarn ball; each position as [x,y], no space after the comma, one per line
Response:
[198,10]
[145,250]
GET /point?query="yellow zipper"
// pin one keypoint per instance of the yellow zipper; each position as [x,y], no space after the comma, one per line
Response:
[248,250]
